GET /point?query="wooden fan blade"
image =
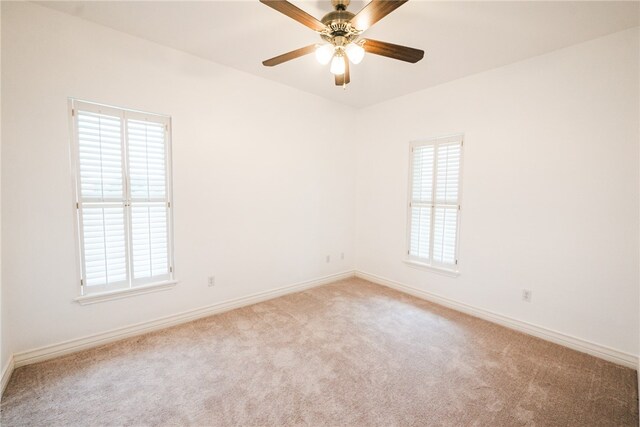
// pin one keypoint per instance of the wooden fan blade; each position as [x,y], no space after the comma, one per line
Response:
[295,12]
[344,79]
[373,12]
[289,56]
[395,51]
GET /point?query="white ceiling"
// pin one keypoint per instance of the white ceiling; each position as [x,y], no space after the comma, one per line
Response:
[459,38]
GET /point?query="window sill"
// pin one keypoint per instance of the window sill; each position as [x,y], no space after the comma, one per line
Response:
[125,293]
[439,270]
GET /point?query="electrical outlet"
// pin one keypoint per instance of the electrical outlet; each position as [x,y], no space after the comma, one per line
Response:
[328,258]
[526,295]
[342,255]
[211,281]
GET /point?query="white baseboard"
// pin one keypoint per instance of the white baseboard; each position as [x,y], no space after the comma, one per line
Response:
[597,350]
[7,370]
[72,346]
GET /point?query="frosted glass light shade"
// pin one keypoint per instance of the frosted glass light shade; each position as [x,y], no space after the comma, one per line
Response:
[324,53]
[337,65]
[355,53]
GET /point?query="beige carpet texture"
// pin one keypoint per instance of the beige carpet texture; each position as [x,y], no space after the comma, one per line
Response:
[346,354]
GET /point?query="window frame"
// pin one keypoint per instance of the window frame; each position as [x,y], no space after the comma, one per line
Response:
[430,264]
[96,293]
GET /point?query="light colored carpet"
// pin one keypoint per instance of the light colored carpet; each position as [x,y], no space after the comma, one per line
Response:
[349,353]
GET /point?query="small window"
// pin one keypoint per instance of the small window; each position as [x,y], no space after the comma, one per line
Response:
[123,196]
[434,202]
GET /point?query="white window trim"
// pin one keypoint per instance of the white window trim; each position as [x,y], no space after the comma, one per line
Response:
[432,268]
[100,295]
[95,297]
[420,263]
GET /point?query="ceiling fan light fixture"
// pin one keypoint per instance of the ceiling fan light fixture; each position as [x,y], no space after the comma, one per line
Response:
[355,53]
[324,53]
[340,30]
[337,64]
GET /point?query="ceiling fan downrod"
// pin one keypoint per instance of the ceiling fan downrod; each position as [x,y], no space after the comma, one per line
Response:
[340,4]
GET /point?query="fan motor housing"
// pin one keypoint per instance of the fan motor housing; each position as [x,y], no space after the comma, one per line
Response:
[339,29]
[337,16]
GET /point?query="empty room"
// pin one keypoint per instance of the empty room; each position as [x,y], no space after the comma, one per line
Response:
[319,213]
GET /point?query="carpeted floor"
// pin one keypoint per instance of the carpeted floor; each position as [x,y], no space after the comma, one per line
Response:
[349,353]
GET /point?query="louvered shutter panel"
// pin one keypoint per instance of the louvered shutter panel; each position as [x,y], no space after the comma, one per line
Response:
[446,209]
[102,216]
[147,149]
[100,156]
[421,201]
[147,160]
[105,260]
[448,173]
[444,235]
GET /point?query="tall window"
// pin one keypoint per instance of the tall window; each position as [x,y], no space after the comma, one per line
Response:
[434,205]
[123,176]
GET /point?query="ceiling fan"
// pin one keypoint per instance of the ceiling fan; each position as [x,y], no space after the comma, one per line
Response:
[341,30]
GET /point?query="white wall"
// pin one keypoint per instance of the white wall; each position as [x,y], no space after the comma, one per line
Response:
[550,189]
[260,196]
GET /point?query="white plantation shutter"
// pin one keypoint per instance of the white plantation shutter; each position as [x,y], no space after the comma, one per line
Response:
[423,173]
[434,207]
[149,204]
[445,226]
[100,156]
[123,193]
[448,173]
[420,232]
[444,235]
[147,160]
[105,260]
[421,201]
[149,240]
[101,198]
